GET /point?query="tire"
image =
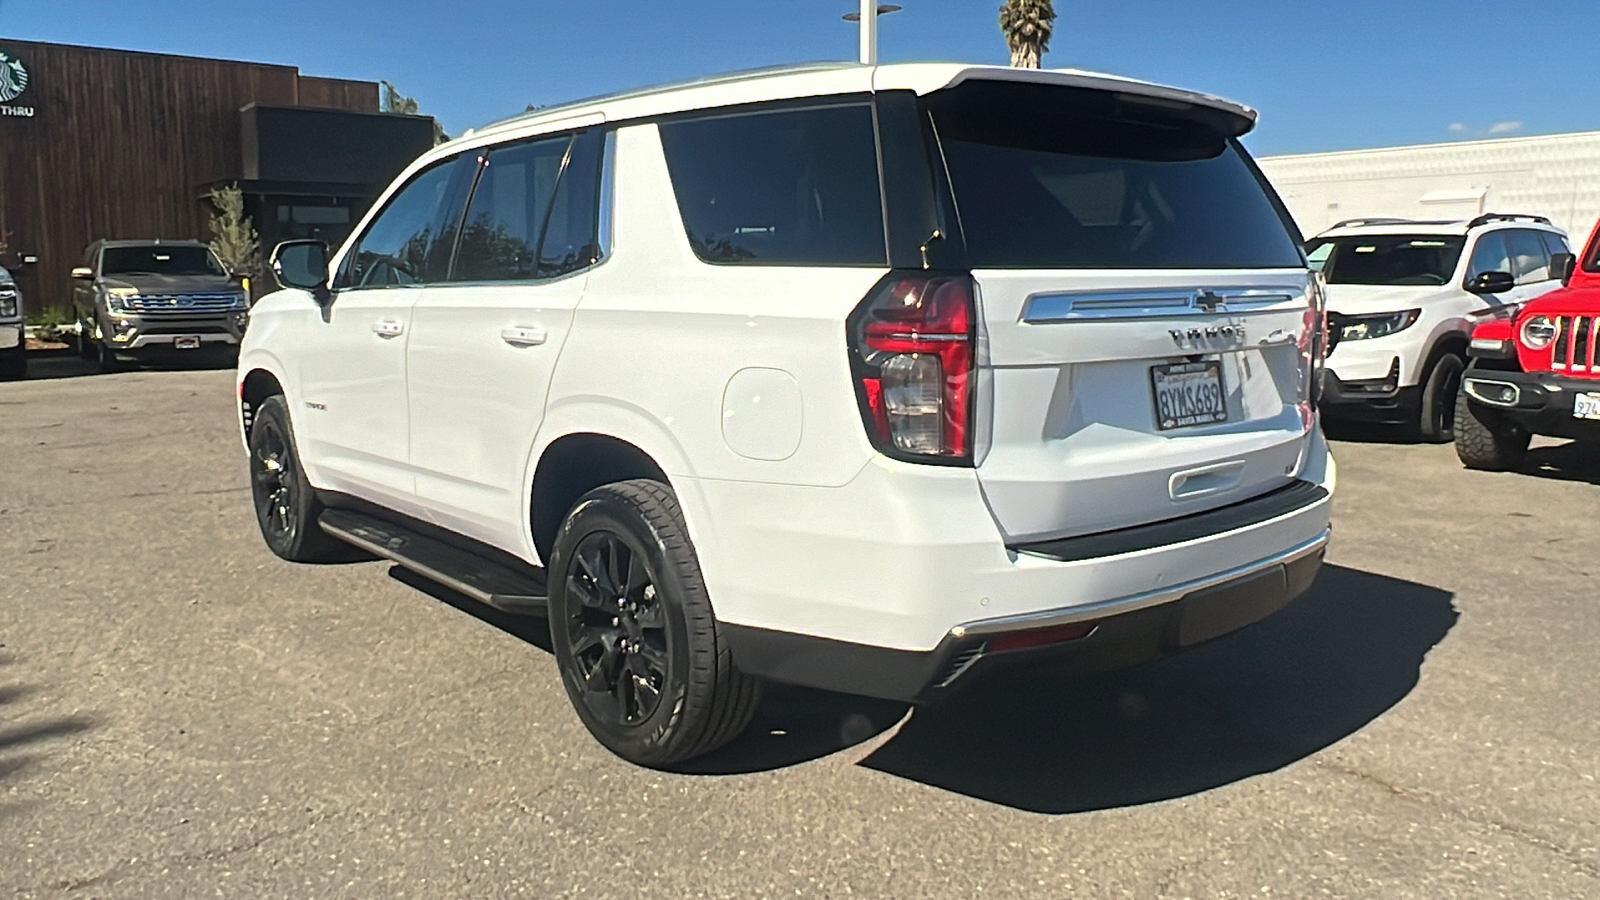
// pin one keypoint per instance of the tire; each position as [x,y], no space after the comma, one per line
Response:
[1436,414]
[286,506]
[1484,441]
[86,345]
[633,630]
[108,359]
[14,364]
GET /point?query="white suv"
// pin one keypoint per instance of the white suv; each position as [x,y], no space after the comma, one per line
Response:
[1403,297]
[868,379]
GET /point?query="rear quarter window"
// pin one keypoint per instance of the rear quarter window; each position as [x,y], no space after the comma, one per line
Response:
[788,187]
[1055,177]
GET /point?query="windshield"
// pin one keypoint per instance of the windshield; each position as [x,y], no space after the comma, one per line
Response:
[1061,178]
[1397,260]
[160,261]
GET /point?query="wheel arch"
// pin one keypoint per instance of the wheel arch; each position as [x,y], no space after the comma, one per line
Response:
[260,375]
[1453,340]
[574,464]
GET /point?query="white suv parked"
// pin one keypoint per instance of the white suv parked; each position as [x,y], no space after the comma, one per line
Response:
[1403,297]
[868,379]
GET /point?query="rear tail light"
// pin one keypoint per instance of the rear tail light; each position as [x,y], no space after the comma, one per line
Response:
[913,350]
[1317,343]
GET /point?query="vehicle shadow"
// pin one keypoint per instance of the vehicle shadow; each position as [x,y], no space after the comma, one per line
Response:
[1572,461]
[57,365]
[791,726]
[1250,703]
[54,365]
[531,629]
[1357,432]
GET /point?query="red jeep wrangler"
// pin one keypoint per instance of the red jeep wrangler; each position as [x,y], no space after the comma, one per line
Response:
[1537,372]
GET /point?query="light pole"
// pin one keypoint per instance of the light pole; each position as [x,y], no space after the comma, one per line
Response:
[868,17]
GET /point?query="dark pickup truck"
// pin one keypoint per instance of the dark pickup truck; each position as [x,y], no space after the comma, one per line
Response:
[139,300]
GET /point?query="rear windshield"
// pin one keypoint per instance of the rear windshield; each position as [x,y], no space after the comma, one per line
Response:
[791,187]
[1054,177]
[1391,259]
[159,261]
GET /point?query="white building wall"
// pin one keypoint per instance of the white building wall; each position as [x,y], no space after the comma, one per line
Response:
[1556,176]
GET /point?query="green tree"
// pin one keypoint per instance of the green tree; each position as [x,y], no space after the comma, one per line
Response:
[399,104]
[1027,25]
[233,235]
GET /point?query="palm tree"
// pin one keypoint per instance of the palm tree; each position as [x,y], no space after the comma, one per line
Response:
[1027,25]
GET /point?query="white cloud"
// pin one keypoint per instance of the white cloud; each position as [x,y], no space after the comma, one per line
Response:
[1505,127]
[1457,127]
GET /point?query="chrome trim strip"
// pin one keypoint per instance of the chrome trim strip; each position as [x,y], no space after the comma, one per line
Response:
[1107,608]
[608,188]
[1470,385]
[1068,306]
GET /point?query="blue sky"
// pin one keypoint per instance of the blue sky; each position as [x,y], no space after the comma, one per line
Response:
[1326,76]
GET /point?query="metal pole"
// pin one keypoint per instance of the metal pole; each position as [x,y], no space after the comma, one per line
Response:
[869,32]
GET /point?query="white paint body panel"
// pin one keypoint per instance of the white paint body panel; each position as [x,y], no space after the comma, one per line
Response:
[798,522]
[1072,444]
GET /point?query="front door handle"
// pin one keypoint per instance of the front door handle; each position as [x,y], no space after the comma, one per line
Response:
[388,328]
[523,335]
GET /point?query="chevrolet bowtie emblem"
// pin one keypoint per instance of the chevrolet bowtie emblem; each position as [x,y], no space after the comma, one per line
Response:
[1209,302]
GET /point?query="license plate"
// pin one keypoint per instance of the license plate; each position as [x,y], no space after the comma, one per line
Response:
[186,342]
[1586,406]
[1188,394]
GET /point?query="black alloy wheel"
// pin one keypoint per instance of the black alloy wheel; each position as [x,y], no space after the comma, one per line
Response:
[617,630]
[286,507]
[635,637]
[272,476]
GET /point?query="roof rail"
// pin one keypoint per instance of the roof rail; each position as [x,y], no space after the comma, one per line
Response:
[1486,218]
[1361,223]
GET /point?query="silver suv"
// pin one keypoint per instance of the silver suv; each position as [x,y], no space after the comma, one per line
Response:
[13,346]
[137,300]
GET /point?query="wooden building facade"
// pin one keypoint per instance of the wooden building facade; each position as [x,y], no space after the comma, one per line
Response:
[98,143]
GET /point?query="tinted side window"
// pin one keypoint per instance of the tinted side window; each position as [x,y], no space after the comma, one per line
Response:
[570,240]
[500,236]
[1489,255]
[796,187]
[1530,262]
[1554,243]
[400,246]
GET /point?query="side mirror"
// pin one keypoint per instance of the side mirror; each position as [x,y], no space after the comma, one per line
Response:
[82,272]
[1491,283]
[1561,266]
[303,265]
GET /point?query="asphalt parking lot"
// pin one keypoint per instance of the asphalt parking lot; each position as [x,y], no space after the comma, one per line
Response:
[183,715]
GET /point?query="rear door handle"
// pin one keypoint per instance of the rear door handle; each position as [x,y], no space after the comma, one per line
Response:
[523,335]
[388,328]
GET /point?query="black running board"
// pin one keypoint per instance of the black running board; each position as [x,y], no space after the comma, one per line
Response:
[497,584]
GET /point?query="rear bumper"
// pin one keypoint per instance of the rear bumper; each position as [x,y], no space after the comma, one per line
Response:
[1536,402]
[1116,633]
[885,585]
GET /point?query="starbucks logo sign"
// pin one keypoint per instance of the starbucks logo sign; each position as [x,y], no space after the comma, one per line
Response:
[13,77]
